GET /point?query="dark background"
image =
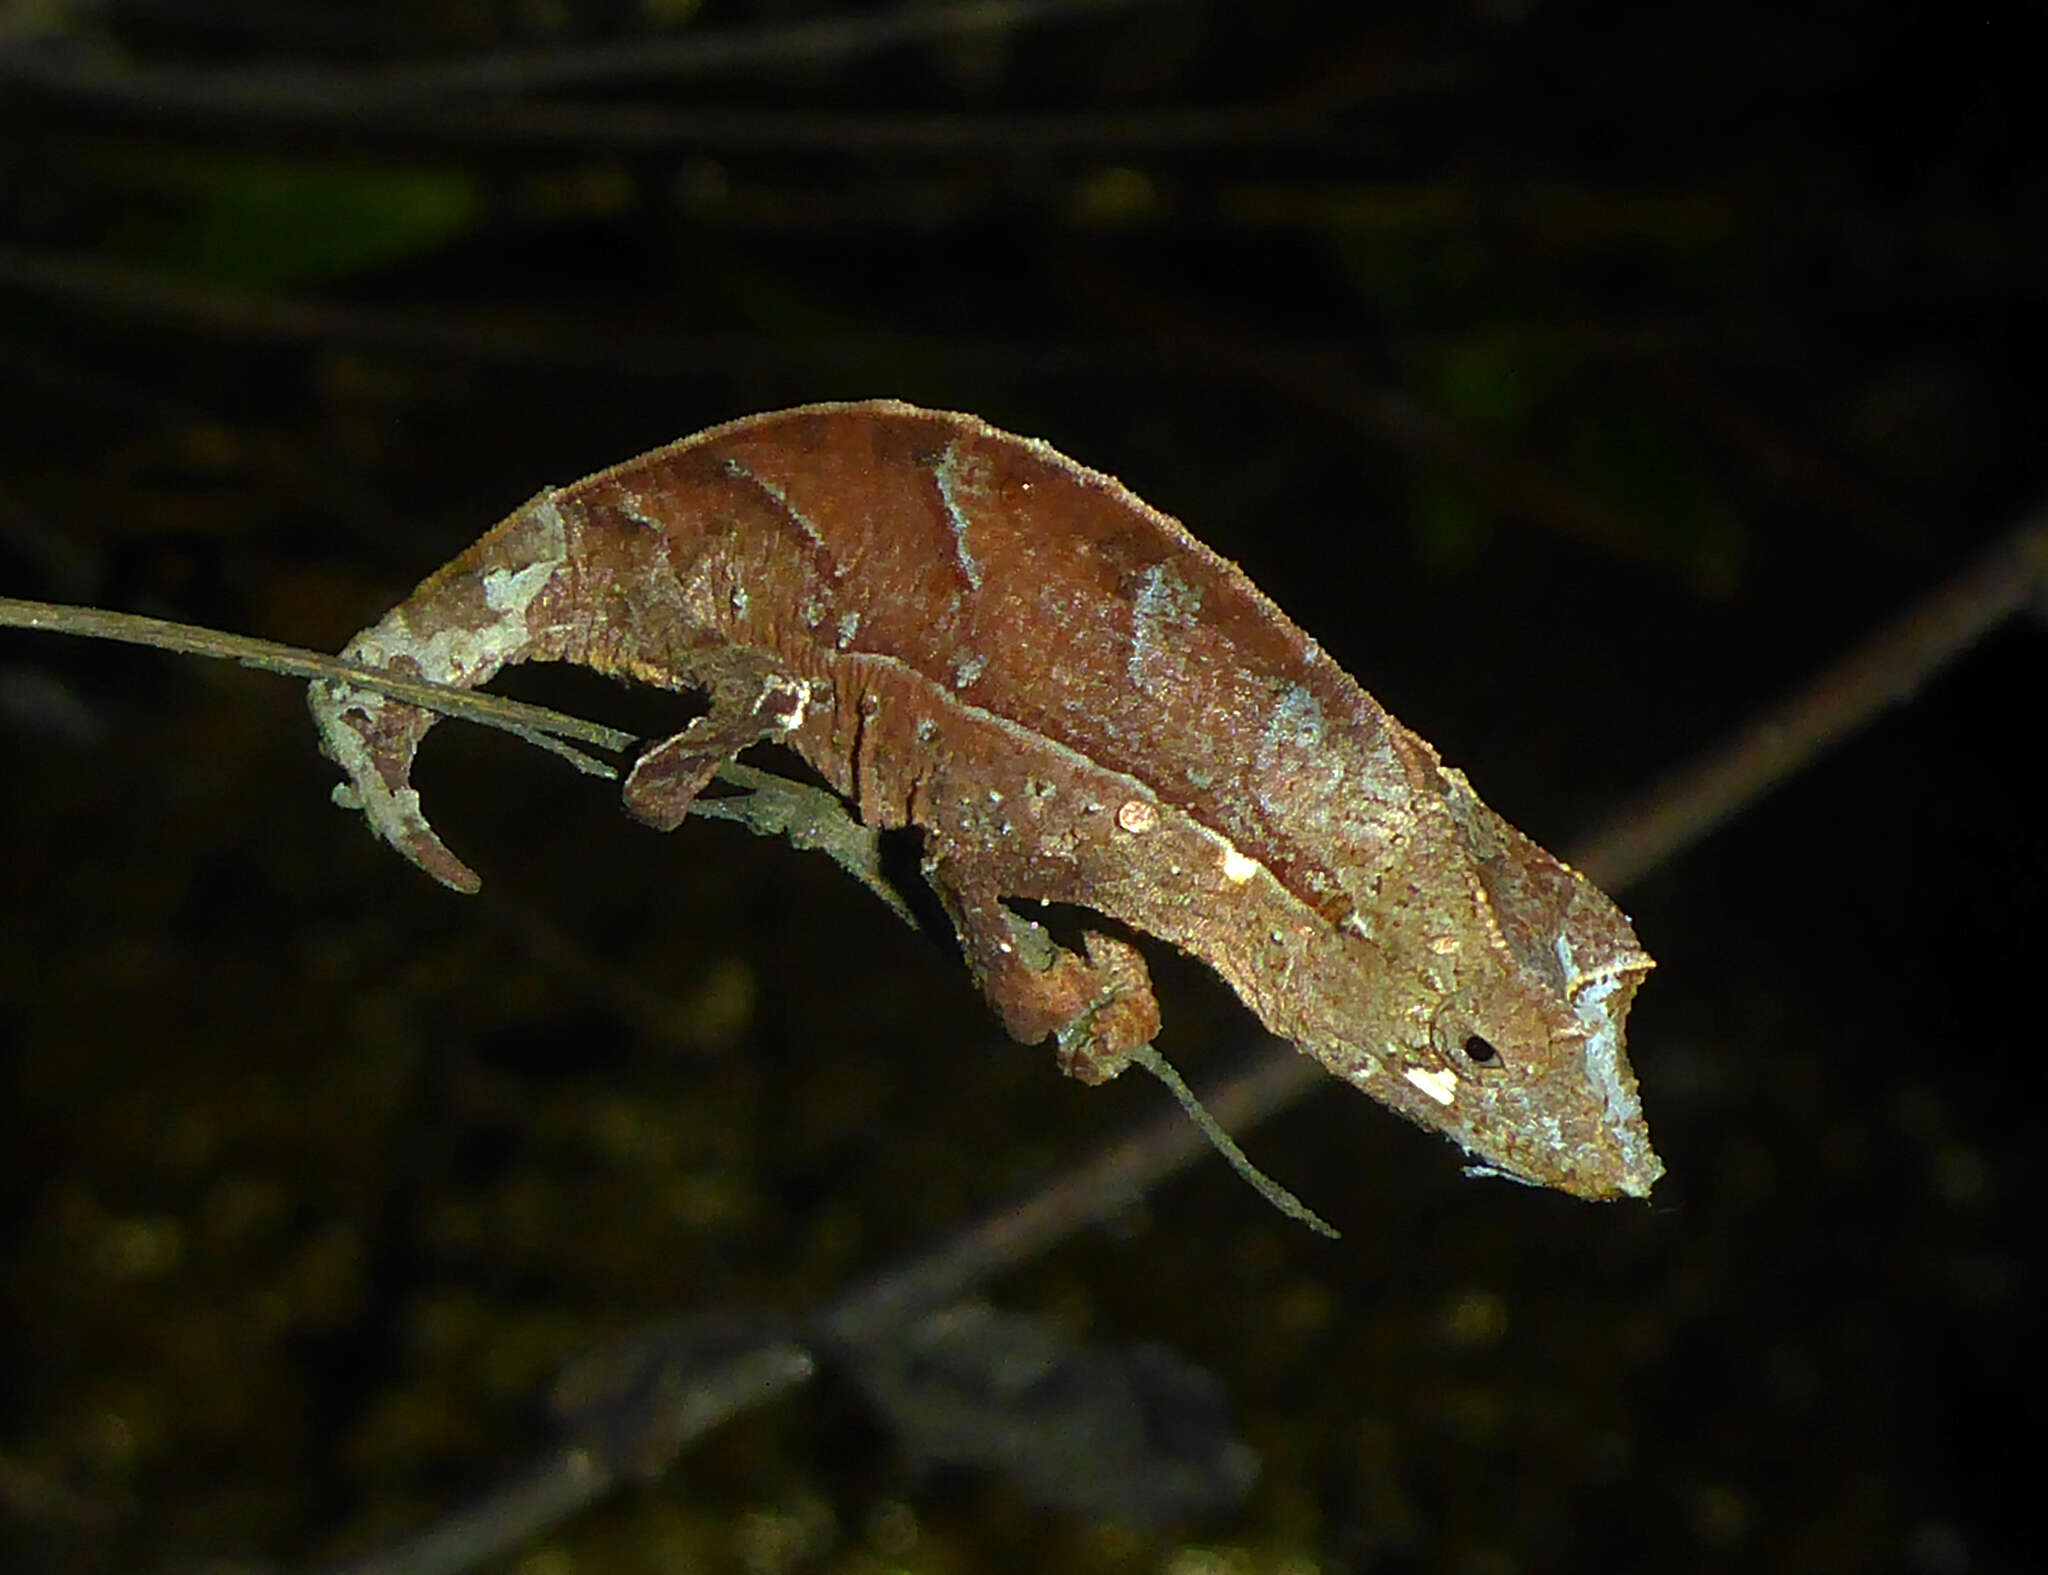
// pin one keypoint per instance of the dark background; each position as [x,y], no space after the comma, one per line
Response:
[1581,375]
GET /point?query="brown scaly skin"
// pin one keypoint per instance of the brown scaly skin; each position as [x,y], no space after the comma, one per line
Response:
[1077,702]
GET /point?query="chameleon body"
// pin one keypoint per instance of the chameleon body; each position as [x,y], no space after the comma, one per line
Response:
[1074,701]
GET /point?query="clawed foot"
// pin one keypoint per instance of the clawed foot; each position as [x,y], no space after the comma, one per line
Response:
[1096,1009]
[746,707]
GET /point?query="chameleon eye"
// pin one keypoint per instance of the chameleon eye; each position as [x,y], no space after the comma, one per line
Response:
[1480,1051]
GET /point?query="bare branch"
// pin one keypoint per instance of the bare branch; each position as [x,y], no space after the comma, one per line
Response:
[536,724]
[1884,670]
[812,819]
[665,1409]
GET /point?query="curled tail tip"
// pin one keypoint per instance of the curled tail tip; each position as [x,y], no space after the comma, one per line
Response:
[433,857]
[373,740]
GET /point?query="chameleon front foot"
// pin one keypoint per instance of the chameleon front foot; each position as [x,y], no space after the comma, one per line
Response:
[749,702]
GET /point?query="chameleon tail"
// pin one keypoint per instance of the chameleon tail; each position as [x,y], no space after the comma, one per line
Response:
[479,612]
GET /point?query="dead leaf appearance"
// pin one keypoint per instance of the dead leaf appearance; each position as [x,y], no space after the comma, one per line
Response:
[1074,702]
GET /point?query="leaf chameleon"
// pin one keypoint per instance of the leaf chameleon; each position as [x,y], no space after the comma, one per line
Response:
[1073,701]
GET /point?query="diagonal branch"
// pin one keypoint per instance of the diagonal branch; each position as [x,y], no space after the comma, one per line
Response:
[1883,670]
[536,724]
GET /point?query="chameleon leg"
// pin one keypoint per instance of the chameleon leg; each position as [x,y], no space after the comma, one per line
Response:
[1098,1009]
[745,708]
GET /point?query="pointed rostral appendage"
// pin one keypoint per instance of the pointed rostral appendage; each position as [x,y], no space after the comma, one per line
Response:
[1075,702]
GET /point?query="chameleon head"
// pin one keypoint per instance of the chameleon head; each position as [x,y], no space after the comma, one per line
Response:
[1539,1088]
[1527,1073]
[1505,983]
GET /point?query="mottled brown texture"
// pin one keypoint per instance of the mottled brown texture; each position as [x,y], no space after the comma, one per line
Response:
[1075,702]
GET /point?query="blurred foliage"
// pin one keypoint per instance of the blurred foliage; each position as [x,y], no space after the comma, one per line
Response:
[266,223]
[1579,373]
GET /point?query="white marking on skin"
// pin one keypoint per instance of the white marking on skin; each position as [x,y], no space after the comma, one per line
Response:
[1290,763]
[1161,600]
[396,816]
[966,668]
[849,626]
[1496,937]
[1443,945]
[468,655]
[1495,1173]
[505,589]
[636,511]
[1355,921]
[798,692]
[739,601]
[1137,817]
[1441,1085]
[1297,720]
[1237,869]
[802,520]
[961,476]
[1590,994]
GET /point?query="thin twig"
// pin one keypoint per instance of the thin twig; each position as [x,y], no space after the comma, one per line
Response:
[1147,1057]
[1093,1190]
[812,818]
[536,724]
